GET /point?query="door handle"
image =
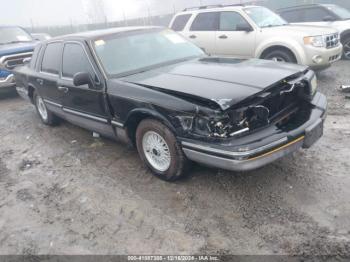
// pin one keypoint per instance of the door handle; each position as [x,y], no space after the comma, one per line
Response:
[63,89]
[193,36]
[223,37]
[40,81]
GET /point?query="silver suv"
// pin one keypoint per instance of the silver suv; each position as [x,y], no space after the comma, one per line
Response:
[322,15]
[257,32]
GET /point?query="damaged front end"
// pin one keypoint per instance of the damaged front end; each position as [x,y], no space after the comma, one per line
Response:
[278,105]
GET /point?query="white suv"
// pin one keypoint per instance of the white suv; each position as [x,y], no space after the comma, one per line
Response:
[255,31]
[322,15]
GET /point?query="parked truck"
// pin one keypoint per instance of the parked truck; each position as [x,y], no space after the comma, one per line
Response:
[16,46]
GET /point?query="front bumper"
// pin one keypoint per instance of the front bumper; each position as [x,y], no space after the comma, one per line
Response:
[259,149]
[7,82]
[322,58]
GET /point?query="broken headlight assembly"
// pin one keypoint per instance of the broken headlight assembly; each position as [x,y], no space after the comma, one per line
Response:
[232,123]
[229,124]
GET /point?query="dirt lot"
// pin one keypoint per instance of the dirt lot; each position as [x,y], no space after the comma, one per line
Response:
[64,192]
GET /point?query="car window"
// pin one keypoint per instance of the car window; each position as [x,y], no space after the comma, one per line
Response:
[340,12]
[180,22]
[316,14]
[206,22]
[33,61]
[75,60]
[11,35]
[52,58]
[230,20]
[139,51]
[294,16]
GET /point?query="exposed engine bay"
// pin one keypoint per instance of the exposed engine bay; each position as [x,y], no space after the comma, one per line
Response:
[276,106]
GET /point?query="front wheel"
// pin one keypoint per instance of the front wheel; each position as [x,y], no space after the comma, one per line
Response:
[159,149]
[46,116]
[346,46]
[280,56]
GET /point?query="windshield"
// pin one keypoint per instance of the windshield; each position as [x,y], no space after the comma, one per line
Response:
[123,55]
[339,11]
[264,17]
[13,35]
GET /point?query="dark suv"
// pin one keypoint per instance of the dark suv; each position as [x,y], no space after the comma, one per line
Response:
[322,15]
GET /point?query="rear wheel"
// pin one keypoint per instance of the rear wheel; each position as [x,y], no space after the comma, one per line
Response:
[46,116]
[160,151]
[280,55]
[346,45]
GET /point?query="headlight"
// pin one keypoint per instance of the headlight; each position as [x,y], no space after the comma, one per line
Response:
[316,41]
[186,122]
[229,125]
[313,83]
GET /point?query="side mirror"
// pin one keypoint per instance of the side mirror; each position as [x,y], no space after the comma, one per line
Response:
[328,18]
[82,78]
[244,27]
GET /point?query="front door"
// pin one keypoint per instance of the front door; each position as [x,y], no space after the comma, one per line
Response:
[230,40]
[83,105]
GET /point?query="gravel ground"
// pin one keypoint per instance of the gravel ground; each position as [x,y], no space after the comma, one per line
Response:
[64,192]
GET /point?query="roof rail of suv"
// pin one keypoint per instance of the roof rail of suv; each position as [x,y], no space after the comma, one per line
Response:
[208,7]
[220,5]
[298,7]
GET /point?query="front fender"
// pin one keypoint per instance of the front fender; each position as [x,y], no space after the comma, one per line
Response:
[142,113]
[291,44]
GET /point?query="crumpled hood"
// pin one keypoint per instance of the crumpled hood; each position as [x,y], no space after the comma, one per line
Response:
[10,49]
[225,81]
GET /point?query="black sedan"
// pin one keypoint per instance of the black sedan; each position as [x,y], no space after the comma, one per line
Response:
[151,88]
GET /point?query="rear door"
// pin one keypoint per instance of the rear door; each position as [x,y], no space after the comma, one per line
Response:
[83,105]
[230,41]
[48,77]
[202,32]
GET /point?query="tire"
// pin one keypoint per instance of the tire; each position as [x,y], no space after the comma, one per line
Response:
[280,55]
[46,116]
[346,45]
[155,141]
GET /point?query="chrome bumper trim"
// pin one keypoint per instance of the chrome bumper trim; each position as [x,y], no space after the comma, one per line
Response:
[244,165]
[234,154]
[8,81]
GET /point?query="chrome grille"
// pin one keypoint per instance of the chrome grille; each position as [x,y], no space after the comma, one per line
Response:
[332,40]
[11,61]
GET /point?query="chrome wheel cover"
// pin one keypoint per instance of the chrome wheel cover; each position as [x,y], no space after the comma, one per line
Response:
[41,108]
[156,151]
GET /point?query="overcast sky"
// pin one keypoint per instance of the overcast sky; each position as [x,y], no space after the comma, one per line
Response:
[63,12]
